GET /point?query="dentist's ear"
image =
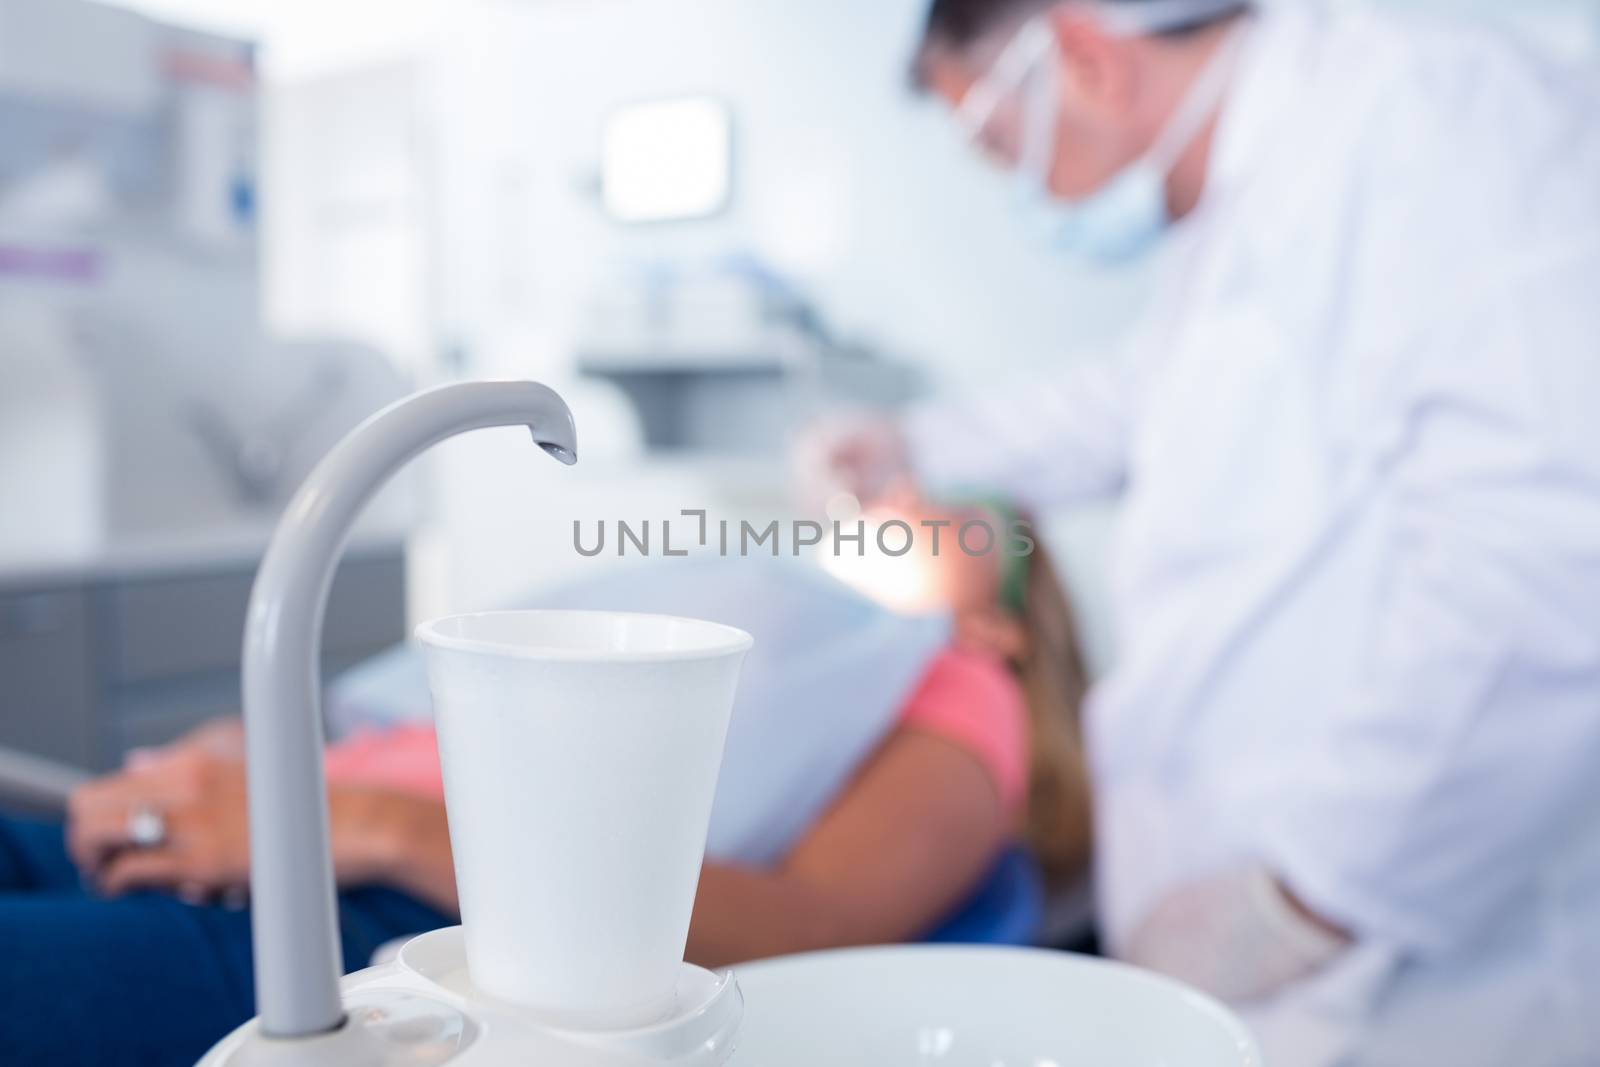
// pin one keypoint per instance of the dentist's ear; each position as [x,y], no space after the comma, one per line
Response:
[1099,68]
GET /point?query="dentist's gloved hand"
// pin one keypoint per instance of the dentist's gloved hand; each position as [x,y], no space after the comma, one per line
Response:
[865,456]
[1239,936]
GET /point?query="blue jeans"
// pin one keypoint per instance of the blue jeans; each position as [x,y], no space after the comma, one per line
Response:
[143,979]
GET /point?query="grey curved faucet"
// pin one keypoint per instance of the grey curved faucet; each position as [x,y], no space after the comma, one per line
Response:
[294,918]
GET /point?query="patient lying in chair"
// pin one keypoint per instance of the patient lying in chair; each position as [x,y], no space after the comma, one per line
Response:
[877,769]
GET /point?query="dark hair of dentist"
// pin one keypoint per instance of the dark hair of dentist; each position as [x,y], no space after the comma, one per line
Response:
[127,955]
[959,23]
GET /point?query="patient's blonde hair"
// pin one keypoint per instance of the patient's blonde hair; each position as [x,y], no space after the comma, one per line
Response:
[1050,667]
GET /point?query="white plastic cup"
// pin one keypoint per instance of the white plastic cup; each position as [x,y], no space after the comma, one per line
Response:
[580,753]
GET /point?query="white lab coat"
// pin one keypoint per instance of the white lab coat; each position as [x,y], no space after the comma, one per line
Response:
[1358,574]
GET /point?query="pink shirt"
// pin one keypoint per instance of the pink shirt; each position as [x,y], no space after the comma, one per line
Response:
[975,702]
[969,699]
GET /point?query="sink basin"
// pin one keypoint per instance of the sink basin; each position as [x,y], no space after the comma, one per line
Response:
[972,1006]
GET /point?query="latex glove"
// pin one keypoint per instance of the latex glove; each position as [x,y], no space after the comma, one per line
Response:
[864,456]
[1238,936]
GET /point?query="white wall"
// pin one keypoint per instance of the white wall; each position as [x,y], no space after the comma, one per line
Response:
[345,212]
[844,179]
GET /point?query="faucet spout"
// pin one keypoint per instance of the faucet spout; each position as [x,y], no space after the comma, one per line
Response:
[294,916]
[561,453]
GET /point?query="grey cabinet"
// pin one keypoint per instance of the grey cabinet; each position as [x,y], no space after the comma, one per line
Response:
[46,674]
[90,669]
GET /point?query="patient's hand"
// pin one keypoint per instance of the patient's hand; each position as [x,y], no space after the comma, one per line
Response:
[379,837]
[198,795]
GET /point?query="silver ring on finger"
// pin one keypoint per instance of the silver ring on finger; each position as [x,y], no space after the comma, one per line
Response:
[147,827]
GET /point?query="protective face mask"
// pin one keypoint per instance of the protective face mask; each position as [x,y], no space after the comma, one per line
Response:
[1127,217]
[1115,226]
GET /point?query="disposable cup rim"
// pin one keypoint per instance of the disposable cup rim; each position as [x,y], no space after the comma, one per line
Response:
[723,640]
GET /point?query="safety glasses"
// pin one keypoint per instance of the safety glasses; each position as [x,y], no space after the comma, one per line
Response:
[992,112]
[996,110]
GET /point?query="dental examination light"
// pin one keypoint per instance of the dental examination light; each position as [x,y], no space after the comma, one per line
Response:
[580,753]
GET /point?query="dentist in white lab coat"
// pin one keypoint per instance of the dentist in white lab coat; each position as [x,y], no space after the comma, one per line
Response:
[1348,762]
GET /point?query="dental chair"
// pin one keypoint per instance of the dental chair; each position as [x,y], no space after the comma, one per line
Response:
[1007,908]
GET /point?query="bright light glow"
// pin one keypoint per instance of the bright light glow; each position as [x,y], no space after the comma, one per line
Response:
[909,584]
[668,160]
[843,507]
